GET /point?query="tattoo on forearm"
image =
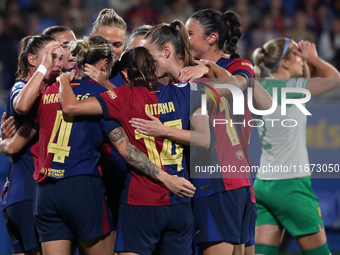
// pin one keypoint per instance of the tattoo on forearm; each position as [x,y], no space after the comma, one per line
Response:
[134,156]
[139,160]
[117,134]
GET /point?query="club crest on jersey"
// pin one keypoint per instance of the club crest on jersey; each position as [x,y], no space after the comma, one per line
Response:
[240,155]
[111,94]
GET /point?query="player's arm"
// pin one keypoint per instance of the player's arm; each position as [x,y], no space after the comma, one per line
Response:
[69,103]
[22,137]
[24,101]
[307,51]
[262,98]
[222,77]
[178,185]
[317,86]
[200,136]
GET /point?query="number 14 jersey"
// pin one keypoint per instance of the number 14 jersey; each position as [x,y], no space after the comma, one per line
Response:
[171,104]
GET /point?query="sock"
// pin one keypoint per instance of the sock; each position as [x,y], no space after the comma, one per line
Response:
[264,249]
[321,250]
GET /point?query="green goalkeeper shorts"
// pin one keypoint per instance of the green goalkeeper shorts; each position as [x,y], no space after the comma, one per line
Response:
[290,203]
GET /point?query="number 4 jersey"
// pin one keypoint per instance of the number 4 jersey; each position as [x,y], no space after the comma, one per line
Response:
[69,145]
[171,104]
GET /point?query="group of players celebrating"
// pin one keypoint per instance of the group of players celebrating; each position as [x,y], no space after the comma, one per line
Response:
[99,130]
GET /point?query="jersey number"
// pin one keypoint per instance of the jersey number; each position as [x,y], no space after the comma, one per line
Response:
[165,157]
[230,128]
[62,127]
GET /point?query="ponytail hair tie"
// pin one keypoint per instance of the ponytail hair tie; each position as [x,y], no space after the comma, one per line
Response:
[173,25]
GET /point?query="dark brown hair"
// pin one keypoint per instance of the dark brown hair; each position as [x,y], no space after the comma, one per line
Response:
[30,45]
[140,66]
[225,25]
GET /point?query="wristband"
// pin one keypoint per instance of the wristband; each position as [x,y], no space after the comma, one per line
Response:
[42,69]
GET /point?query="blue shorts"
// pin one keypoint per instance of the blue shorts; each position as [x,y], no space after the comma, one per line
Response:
[253,215]
[20,226]
[140,228]
[223,217]
[73,208]
[114,185]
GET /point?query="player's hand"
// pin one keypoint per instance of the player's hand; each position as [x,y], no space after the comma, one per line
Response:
[179,186]
[47,58]
[96,74]
[193,72]
[8,127]
[152,127]
[66,77]
[307,50]
[225,56]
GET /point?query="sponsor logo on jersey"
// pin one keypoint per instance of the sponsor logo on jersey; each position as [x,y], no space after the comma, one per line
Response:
[111,94]
[247,64]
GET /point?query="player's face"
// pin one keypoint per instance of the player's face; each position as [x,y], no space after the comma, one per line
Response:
[295,61]
[159,56]
[55,68]
[136,41]
[116,37]
[65,38]
[197,38]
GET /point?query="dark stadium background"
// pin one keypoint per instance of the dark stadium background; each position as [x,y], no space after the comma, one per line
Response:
[262,20]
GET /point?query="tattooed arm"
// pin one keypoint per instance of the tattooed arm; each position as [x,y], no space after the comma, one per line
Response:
[178,185]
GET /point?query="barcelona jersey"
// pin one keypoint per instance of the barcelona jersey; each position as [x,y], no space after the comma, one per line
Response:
[229,143]
[20,183]
[69,145]
[171,104]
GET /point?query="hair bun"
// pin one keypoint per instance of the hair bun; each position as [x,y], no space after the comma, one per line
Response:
[107,11]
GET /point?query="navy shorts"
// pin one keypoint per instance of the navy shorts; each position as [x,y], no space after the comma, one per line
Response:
[140,228]
[223,217]
[73,208]
[20,226]
[253,215]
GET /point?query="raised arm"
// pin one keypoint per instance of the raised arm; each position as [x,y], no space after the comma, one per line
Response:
[69,103]
[307,52]
[24,101]
[331,80]
[178,185]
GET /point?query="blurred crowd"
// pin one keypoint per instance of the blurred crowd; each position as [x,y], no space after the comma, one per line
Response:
[313,20]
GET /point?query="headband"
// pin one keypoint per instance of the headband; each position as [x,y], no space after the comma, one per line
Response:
[287,42]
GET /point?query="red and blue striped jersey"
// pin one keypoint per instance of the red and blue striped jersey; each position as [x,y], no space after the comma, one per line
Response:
[171,104]
[242,67]
[20,183]
[69,145]
[228,142]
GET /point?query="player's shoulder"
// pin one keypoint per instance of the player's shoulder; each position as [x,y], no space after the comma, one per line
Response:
[241,62]
[180,85]
[18,85]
